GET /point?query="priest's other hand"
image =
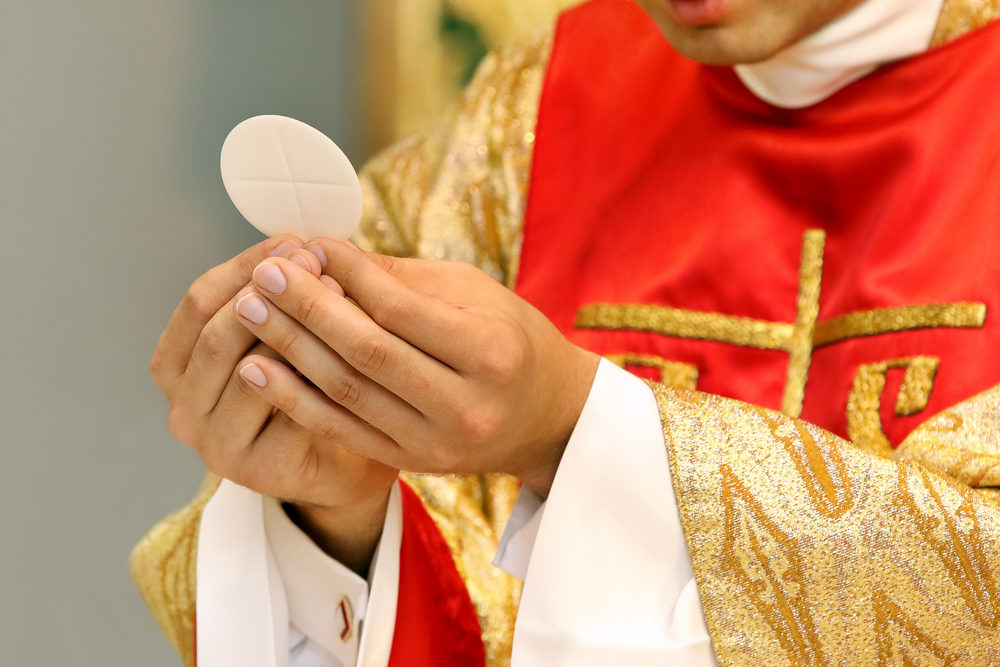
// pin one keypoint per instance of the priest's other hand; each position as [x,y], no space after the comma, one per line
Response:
[340,497]
[456,373]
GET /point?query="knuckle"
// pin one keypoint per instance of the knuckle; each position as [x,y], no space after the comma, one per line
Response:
[479,425]
[156,367]
[386,310]
[372,354]
[345,390]
[200,300]
[504,359]
[181,427]
[309,310]
[390,264]
[287,402]
[328,429]
[286,342]
[212,345]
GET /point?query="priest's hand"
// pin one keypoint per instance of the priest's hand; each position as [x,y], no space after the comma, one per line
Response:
[340,497]
[456,372]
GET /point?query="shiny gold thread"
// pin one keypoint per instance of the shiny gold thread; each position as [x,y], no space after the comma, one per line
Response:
[894,320]
[691,324]
[674,373]
[800,344]
[782,583]
[864,420]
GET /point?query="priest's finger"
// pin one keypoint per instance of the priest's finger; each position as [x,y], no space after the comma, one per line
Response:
[204,298]
[310,408]
[327,370]
[223,341]
[394,293]
[238,419]
[392,362]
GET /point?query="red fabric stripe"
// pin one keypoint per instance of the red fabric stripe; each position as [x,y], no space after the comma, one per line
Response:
[436,623]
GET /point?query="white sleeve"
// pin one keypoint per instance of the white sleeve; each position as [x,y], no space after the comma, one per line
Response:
[609,580]
[267,596]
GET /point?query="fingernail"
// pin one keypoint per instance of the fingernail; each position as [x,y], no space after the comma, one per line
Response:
[269,278]
[320,255]
[252,374]
[301,261]
[283,249]
[253,308]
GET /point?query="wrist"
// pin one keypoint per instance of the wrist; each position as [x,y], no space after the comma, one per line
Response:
[574,392]
[347,533]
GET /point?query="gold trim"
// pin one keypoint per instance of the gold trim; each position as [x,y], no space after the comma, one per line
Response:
[800,338]
[894,320]
[674,373]
[800,345]
[691,324]
[864,421]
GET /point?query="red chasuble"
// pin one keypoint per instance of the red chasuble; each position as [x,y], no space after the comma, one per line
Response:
[840,262]
[436,624]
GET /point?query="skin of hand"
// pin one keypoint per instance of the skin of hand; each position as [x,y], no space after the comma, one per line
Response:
[339,498]
[456,373]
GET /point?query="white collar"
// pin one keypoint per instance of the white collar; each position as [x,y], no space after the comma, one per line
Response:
[872,34]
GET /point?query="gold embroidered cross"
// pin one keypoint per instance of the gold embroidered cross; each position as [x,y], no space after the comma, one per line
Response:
[798,338]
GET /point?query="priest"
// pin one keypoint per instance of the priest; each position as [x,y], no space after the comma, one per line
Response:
[776,214]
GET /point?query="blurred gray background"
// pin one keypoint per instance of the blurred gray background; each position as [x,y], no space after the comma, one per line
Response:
[113,113]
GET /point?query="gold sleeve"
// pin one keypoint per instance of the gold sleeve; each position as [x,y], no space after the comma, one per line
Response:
[455,192]
[809,551]
[162,566]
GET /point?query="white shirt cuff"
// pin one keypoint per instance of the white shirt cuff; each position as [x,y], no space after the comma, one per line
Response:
[518,539]
[609,577]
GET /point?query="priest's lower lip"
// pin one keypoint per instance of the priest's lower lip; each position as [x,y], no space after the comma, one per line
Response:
[697,12]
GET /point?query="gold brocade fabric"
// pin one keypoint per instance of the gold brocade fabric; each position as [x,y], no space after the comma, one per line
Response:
[961,16]
[162,566]
[804,546]
[810,551]
[458,191]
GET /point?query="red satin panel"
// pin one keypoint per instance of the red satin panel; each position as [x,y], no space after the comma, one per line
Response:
[436,623]
[660,181]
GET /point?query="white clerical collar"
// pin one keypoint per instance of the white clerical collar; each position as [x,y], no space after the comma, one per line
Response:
[872,34]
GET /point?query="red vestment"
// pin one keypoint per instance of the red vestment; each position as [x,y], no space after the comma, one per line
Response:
[660,181]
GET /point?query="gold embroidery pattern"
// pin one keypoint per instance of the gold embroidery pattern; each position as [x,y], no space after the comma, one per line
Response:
[830,493]
[955,535]
[963,442]
[673,373]
[894,320]
[798,339]
[800,344]
[900,640]
[864,423]
[690,324]
[932,544]
[766,563]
